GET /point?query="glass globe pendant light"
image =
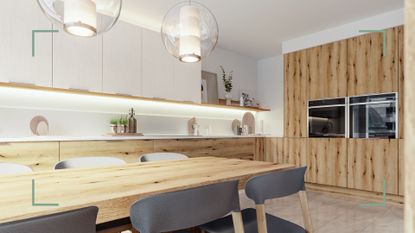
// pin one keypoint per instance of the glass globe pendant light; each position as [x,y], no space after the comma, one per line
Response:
[189,31]
[86,18]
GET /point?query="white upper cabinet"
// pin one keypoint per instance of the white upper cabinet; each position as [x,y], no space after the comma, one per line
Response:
[158,78]
[187,81]
[17,20]
[77,62]
[122,60]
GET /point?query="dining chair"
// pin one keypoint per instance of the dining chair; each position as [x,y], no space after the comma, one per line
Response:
[13,168]
[161,156]
[262,188]
[85,162]
[187,208]
[75,221]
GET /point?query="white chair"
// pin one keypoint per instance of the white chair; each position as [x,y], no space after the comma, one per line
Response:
[13,168]
[162,156]
[86,162]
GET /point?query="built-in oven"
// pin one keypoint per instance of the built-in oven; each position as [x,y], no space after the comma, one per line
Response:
[373,116]
[327,117]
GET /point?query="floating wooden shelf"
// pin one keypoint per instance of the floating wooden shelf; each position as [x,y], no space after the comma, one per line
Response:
[99,94]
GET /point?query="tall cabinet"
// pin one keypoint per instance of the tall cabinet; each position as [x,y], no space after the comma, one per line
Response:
[18,18]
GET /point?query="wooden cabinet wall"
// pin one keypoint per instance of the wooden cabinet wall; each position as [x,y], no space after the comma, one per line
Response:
[327,70]
[371,162]
[327,161]
[295,94]
[401,169]
[37,155]
[401,72]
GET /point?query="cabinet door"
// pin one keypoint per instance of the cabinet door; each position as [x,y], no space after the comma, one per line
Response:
[17,20]
[187,81]
[158,78]
[327,70]
[401,73]
[371,162]
[295,94]
[370,69]
[327,161]
[77,62]
[401,168]
[122,60]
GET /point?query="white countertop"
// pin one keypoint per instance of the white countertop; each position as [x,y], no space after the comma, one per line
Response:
[117,138]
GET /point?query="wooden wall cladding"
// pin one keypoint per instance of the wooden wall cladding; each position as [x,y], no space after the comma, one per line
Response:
[242,148]
[401,169]
[127,150]
[370,162]
[401,74]
[38,155]
[295,94]
[327,161]
[327,70]
[370,70]
[273,149]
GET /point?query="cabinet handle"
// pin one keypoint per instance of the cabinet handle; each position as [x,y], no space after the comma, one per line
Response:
[78,89]
[23,83]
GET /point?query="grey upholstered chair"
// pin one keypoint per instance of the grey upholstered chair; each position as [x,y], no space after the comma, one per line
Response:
[76,221]
[13,168]
[188,208]
[162,156]
[86,162]
[262,188]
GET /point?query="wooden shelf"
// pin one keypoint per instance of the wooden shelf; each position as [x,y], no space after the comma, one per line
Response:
[99,94]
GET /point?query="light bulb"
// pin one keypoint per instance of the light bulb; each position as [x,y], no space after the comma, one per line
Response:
[189,34]
[80,17]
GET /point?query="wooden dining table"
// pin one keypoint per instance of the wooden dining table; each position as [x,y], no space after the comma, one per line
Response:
[114,189]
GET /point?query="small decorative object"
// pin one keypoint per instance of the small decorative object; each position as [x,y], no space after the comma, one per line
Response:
[196,130]
[132,122]
[242,101]
[245,130]
[189,31]
[249,120]
[190,124]
[227,82]
[122,125]
[113,126]
[39,126]
[85,18]
[236,124]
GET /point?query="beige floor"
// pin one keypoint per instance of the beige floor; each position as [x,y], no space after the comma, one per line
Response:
[337,214]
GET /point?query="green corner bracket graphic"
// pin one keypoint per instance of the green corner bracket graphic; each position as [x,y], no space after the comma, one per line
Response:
[33,198]
[383,204]
[34,36]
[385,50]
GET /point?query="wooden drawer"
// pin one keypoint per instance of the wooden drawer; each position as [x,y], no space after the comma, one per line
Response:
[39,156]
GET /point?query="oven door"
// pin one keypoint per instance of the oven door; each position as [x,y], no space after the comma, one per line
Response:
[327,121]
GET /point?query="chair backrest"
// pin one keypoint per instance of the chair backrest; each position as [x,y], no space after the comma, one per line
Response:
[76,221]
[184,209]
[85,162]
[13,168]
[275,184]
[162,156]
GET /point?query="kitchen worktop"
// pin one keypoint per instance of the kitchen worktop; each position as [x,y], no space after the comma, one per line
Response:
[117,138]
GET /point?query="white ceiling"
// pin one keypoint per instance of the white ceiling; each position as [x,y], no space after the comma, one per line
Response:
[256,28]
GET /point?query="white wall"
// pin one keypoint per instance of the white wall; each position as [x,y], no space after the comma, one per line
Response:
[378,22]
[244,75]
[271,95]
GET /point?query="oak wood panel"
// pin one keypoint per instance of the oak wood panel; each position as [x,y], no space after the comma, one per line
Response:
[371,162]
[273,149]
[327,70]
[370,70]
[126,150]
[327,161]
[241,148]
[295,151]
[401,168]
[39,156]
[260,149]
[401,68]
[114,189]
[295,94]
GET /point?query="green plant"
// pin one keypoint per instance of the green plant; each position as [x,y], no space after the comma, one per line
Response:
[114,121]
[123,121]
[227,79]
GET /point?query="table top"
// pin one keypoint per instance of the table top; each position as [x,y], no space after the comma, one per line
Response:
[114,189]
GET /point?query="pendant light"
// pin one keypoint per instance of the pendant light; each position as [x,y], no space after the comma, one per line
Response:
[85,18]
[189,31]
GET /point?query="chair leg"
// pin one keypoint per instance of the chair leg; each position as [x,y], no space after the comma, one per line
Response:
[261,218]
[237,222]
[306,212]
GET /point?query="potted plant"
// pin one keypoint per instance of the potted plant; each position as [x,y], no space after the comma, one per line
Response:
[122,125]
[113,125]
[227,82]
